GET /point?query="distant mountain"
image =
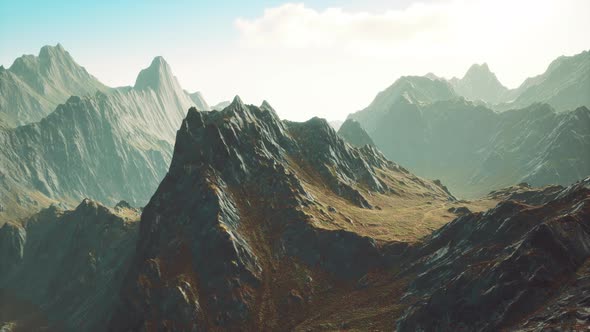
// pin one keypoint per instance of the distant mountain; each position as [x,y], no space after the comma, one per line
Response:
[479,83]
[353,133]
[34,85]
[199,101]
[110,146]
[474,149]
[565,85]
[414,89]
[221,105]
[335,124]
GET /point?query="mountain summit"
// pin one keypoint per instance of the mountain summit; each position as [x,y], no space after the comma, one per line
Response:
[34,85]
[479,83]
[157,76]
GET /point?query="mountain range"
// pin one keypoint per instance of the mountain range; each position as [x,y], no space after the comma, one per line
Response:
[445,205]
[564,85]
[111,145]
[426,125]
[263,224]
[34,85]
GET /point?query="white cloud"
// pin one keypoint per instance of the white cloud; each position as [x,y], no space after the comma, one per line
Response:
[296,26]
[332,62]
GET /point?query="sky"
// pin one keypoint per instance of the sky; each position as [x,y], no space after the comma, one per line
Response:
[314,58]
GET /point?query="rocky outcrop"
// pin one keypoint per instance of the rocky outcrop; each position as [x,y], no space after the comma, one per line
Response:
[492,271]
[67,264]
[237,212]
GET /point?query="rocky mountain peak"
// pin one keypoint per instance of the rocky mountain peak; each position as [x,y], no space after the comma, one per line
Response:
[157,76]
[480,72]
[480,83]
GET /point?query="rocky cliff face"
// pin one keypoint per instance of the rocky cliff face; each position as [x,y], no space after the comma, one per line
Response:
[248,201]
[522,265]
[67,265]
[109,146]
[34,85]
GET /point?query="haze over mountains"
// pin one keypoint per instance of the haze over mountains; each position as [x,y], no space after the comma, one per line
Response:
[425,124]
[167,214]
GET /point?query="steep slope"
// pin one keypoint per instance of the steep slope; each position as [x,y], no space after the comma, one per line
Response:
[565,85]
[479,83]
[67,265]
[34,85]
[473,149]
[414,89]
[246,229]
[107,147]
[353,133]
[538,146]
[520,266]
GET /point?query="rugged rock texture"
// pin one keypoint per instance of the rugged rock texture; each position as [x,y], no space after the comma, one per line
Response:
[353,133]
[110,146]
[474,150]
[34,85]
[538,146]
[65,267]
[239,235]
[479,83]
[519,265]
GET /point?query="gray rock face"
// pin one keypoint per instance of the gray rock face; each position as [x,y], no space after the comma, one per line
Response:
[69,265]
[490,271]
[110,146]
[34,85]
[354,134]
[234,215]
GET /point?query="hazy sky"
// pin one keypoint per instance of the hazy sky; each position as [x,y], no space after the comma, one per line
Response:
[324,58]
